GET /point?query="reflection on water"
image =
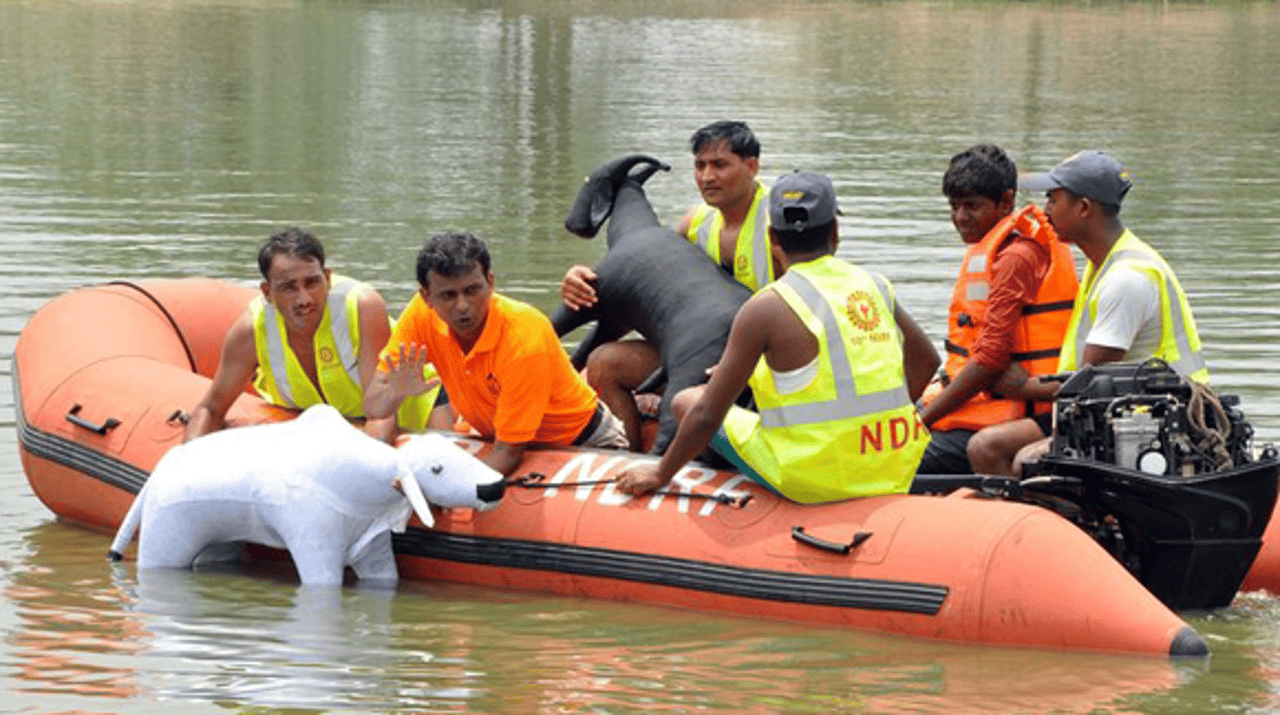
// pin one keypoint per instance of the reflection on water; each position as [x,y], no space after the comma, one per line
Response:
[260,642]
[69,636]
[148,138]
[250,638]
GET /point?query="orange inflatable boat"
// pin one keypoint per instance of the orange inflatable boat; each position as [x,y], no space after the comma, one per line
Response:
[1264,575]
[104,374]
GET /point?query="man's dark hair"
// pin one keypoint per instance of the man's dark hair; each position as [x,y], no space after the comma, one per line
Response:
[806,240]
[291,241]
[451,254]
[982,170]
[739,136]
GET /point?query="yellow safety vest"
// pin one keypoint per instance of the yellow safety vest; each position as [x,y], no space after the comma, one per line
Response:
[752,260]
[281,379]
[337,348]
[1179,341]
[853,430]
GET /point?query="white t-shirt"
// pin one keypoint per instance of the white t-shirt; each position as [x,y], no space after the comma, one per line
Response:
[1128,314]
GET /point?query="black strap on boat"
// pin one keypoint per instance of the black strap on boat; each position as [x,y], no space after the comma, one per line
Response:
[984,484]
[534,480]
[191,358]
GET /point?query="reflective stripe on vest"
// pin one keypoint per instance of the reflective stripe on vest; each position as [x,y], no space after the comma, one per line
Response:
[338,332]
[752,260]
[847,403]
[1176,349]
[851,430]
[977,288]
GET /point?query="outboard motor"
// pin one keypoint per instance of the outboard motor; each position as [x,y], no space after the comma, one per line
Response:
[1162,472]
[1146,417]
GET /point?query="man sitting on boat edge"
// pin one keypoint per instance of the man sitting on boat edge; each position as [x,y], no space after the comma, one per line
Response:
[310,338]
[834,361]
[1130,305]
[1009,308]
[499,359]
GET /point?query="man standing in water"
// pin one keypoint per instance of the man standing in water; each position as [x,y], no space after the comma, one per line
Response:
[834,362]
[731,226]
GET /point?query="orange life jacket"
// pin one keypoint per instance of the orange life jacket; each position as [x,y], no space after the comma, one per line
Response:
[1038,335]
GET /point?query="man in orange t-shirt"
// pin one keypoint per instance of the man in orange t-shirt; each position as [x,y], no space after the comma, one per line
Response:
[499,360]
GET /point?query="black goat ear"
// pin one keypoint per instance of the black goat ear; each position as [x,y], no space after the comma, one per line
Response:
[437,469]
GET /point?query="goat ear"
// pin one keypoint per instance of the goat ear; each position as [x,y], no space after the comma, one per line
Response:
[601,207]
[590,208]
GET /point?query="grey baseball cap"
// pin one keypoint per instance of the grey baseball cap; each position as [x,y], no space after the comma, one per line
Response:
[802,199]
[1090,173]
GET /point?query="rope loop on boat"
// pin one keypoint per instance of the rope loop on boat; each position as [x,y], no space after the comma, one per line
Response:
[536,480]
[173,323]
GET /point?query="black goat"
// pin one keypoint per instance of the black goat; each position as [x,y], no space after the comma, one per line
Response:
[653,281]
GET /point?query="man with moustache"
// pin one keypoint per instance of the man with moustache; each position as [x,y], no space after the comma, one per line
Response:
[731,226]
[499,360]
[310,338]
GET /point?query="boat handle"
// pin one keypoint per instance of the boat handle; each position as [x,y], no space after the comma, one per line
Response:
[798,533]
[73,416]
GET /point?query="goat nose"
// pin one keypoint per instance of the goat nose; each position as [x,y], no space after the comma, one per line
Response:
[491,492]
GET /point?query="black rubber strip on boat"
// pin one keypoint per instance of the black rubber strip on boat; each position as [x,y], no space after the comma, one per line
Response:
[867,594]
[71,454]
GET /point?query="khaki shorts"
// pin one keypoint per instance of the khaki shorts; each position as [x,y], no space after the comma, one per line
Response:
[609,434]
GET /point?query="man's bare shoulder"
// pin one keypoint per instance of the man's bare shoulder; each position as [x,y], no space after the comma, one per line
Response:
[372,306]
[370,296]
[686,221]
[241,331]
[763,309]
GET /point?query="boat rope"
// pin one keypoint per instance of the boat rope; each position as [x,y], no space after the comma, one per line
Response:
[191,358]
[535,480]
[1211,441]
